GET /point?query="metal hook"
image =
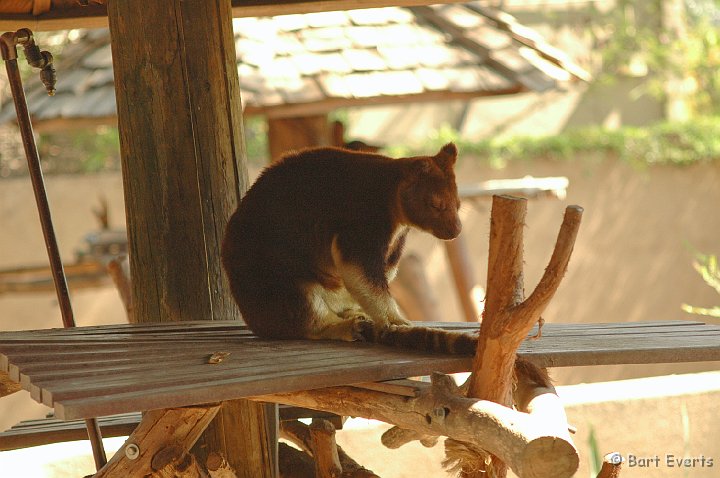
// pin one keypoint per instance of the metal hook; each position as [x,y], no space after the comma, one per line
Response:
[35,58]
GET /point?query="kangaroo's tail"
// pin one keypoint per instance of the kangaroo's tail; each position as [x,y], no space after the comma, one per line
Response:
[427,339]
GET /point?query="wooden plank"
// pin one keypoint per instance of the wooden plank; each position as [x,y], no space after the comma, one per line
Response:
[235,387]
[43,431]
[269,375]
[531,39]
[95,16]
[580,348]
[498,64]
[283,110]
[403,387]
[526,187]
[94,375]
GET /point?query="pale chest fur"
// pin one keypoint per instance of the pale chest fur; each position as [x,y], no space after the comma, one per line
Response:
[397,241]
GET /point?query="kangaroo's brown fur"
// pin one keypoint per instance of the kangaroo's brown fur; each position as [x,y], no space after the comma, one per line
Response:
[312,246]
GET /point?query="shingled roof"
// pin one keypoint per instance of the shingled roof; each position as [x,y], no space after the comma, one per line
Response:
[294,65]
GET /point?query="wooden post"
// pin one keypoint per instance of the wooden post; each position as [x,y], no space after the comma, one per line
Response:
[286,134]
[612,464]
[184,171]
[463,277]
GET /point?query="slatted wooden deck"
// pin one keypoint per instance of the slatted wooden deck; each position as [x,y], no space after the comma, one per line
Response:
[97,371]
[48,430]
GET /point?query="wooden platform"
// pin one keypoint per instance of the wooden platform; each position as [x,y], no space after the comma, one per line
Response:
[44,431]
[97,371]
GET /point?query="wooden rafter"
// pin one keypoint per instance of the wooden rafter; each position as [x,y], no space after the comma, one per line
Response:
[532,39]
[72,15]
[458,35]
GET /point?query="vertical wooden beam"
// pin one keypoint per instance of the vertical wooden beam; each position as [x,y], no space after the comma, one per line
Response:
[184,171]
[182,149]
[463,277]
[286,134]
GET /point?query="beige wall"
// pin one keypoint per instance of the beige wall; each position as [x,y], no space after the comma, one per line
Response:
[630,262]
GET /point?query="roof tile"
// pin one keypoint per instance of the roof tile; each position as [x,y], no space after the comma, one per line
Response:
[364,60]
[311,57]
[380,16]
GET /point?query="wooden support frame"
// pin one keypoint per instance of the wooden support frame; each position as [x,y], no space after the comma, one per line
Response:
[160,445]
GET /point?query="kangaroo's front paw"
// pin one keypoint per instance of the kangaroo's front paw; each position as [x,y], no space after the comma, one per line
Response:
[398,320]
[352,313]
[363,328]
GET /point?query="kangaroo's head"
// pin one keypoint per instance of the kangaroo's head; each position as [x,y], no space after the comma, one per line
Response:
[428,196]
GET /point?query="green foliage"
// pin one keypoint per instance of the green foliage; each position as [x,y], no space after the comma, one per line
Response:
[707,266]
[595,457]
[82,151]
[256,142]
[633,41]
[98,149]
[694,141]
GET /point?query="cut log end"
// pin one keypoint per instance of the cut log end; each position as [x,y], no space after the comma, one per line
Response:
[7,385]
[549,457]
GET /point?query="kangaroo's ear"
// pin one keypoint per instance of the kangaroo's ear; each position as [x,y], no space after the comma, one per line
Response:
[447,156]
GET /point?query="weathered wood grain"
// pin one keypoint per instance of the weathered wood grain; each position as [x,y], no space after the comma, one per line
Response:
[139,367]
[184,172]
[95,16]
[43,431]
[179,427]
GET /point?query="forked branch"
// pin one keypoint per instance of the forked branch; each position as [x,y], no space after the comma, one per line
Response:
[508,316]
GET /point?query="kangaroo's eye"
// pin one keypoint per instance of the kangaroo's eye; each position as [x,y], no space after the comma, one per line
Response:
[437,204]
